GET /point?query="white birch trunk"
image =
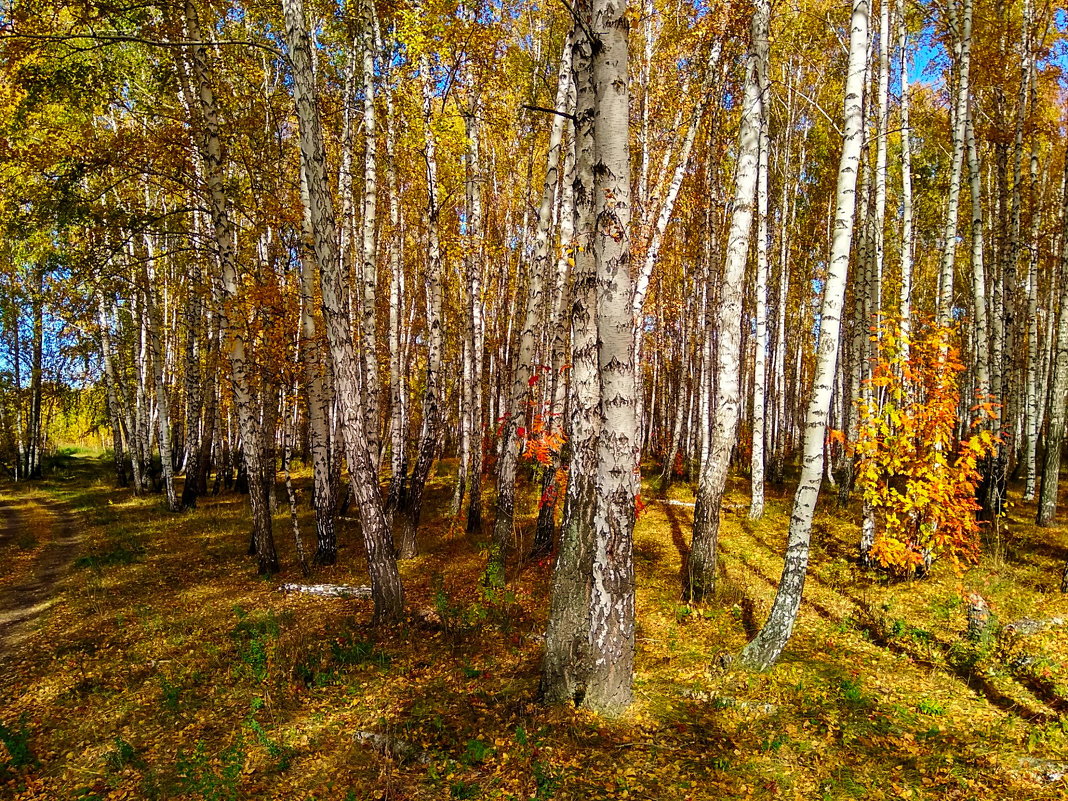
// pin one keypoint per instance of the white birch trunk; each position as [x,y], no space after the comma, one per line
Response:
[960,114]
[385,578]
[762,652]
[760,360]
[515,414]
[212,157]
[611,633]
[430,429]
[907,246]
[703,552]
[1058,396]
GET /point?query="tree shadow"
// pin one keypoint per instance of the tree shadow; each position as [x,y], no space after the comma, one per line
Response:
[679,540]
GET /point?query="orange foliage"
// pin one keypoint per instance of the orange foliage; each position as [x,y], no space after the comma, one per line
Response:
[918,479]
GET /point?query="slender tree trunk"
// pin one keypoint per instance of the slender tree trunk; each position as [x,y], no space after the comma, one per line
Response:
[515,416]
[411,509]
[35,433]
[960,115]
[163,416]
[397,390]
[289,432]
[907,241]
[212,156]
[318,398]
[703,553]
[558,329]
[1032,413]
[1058,396]
[982,329]
[762,652]
[369,264]
[386,588]
[115,409]
[756,504]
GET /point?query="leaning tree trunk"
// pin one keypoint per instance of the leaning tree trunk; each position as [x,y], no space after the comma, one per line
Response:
[701,574]
[762,652]
[386,588]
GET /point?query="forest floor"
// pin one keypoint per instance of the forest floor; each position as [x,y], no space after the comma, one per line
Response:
[154,663]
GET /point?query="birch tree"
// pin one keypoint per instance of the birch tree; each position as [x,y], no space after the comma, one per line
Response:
[386,586]
[765,648]
[212,157]
[700,581]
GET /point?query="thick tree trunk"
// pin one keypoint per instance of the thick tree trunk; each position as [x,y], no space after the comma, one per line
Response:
[762,652]
[611,632]
[567,645]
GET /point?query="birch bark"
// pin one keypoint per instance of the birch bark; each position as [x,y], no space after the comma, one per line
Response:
[701,571]
[411,508]
[212,156]
[386,588]
[762,652]
[960,114]
[611,632]
[515,414]
[1058,396]
[760,360]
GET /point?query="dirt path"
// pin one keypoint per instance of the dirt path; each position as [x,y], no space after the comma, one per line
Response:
[55,526]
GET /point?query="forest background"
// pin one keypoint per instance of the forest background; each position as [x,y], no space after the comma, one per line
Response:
[541,330]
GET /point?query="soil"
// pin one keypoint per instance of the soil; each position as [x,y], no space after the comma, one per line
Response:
[55,528]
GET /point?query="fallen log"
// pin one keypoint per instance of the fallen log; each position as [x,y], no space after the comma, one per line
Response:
[328,590]
[1028,626]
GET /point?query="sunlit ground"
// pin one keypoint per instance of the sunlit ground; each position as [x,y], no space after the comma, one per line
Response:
[168,669]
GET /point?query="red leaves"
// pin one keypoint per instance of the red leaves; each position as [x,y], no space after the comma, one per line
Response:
[541,442]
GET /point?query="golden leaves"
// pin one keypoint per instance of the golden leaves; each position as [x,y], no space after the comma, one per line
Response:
[918,480]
